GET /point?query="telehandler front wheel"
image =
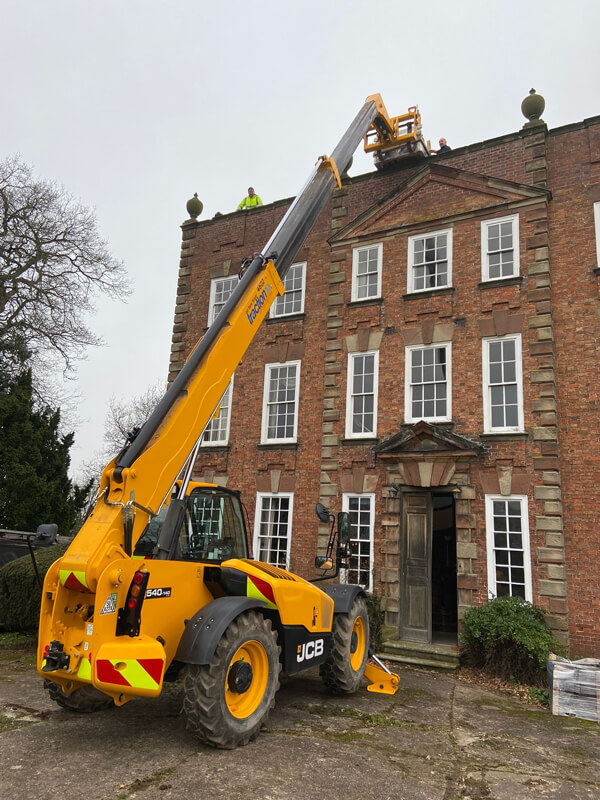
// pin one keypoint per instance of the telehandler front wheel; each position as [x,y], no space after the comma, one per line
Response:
[84,700]
[345,665]
[226,702]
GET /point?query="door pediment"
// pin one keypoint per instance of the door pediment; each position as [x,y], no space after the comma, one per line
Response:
[427,439]
[417,201]
[426,455]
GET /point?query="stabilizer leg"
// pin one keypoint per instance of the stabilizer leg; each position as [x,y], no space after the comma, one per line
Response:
[381,679]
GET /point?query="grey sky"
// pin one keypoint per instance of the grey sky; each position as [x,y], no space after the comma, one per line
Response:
[134,106]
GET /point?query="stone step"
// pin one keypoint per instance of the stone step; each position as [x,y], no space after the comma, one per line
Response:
[437,656]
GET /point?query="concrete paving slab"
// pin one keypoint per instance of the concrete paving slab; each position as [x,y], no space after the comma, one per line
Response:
[436,739]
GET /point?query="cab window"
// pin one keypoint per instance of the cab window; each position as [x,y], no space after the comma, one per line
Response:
[213,529]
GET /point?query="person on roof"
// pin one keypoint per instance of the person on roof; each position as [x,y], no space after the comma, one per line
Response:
[444,146]
[250,201]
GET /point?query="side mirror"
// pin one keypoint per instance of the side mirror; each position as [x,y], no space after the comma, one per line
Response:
[322,512]
[46,534]
[324,563]
[343,525]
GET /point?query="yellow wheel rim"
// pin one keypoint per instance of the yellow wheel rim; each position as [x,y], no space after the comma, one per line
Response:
[243,704]
[357,651]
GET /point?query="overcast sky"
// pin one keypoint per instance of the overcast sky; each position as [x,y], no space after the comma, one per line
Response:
[134,105]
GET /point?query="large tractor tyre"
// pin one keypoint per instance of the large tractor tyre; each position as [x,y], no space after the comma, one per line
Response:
[227,702]
[84,700]
[345,665]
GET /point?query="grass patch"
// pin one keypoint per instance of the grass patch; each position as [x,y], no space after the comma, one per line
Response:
[15,640]
[12,723]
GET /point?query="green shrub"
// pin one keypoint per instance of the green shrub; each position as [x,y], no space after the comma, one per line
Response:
[20,593]
[376,620]
[508,637]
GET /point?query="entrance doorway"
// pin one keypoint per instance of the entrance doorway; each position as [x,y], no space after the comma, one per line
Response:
[429,602]
[444,600]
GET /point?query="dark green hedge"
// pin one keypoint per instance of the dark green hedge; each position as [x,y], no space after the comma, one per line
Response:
[508,637]
[20,594]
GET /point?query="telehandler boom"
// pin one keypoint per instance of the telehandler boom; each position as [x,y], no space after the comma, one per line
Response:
[158,582]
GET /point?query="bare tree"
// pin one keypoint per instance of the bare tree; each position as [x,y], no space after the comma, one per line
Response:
[123,415]
[52,263]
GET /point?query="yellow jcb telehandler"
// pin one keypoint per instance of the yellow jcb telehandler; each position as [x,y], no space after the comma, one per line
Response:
[159,582]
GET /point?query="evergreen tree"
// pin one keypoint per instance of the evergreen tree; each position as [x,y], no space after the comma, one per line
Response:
[34,459]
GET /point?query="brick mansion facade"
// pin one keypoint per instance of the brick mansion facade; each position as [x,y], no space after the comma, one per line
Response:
[433,369]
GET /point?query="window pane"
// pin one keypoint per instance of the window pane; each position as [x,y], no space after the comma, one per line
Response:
[495,351]
[515,541]
[500,539]
[512,417]
[517,575]
[516,558]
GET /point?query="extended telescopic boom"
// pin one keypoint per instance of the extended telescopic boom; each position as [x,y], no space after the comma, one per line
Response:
[281,248]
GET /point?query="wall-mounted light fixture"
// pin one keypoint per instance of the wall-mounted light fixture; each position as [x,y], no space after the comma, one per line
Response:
[394,489]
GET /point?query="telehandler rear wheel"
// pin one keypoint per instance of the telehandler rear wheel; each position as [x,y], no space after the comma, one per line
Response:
[227,701]
[84,700]
[345,665]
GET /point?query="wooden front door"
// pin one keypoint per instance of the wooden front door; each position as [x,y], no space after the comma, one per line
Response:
[415,567]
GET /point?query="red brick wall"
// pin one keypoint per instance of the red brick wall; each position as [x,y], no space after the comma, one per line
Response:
[574,176]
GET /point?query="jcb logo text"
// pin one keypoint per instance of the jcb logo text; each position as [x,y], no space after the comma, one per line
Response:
[310,650]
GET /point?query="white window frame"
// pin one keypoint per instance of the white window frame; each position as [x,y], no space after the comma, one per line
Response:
[355,259]
[487,407]
[485,265]
[346,497]
[278,308]
[410,277]
[597,226]
[223,415]
[491,548]
[260,496]
[213,291]
[265,405]
[351,397]
[408,384]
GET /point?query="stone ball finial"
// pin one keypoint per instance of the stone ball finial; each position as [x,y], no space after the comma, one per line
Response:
[532,107]
[194,206]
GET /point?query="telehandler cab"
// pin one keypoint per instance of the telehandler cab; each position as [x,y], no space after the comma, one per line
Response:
[159,582]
